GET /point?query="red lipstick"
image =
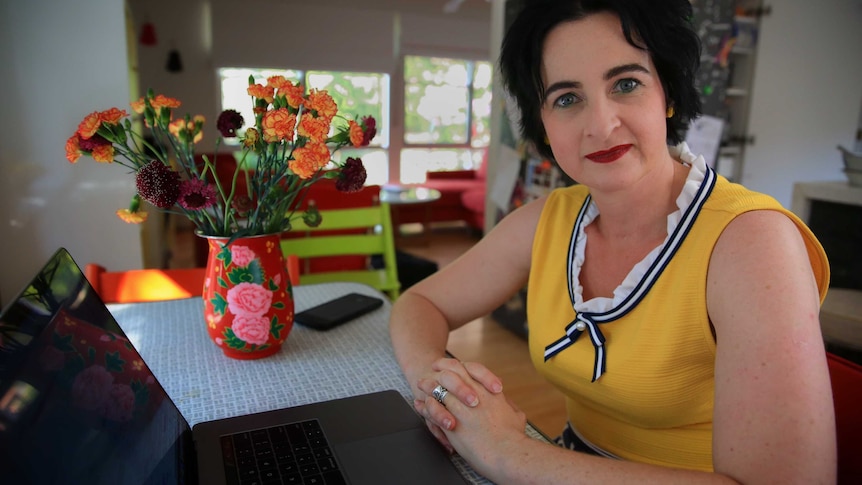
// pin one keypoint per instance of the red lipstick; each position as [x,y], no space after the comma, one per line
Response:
[610,155]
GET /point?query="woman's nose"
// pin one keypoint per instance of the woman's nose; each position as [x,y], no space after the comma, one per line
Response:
[602,119]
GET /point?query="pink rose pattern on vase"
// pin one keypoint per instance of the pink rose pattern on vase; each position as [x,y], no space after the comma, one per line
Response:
[99,369]
[248,300]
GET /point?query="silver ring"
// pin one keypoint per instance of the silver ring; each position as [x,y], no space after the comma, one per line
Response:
[439,393]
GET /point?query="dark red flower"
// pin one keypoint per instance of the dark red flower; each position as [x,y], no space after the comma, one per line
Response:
[369,129]
[242,204]
[195,194]
[90,144]
[352,176]
[228,122]
[158,184]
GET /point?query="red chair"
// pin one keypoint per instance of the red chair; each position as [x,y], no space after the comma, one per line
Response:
[847,396]
[139,285]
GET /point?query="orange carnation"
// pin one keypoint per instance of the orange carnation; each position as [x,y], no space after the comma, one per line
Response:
[103,153]
[73,149]
[162,101]
[132,217]
[309,159]
[89,125]
[112,116]
[278,125]
[323,103]
[293,93]
[317,129]
[251,137]
[176,126]
[356,133]
[277,82]
[261,92]
[138,106]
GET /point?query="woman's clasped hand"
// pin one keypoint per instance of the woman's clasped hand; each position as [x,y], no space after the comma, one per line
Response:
[474,410]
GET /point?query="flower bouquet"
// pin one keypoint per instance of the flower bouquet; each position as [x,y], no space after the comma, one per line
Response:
[290,140]
[248,304]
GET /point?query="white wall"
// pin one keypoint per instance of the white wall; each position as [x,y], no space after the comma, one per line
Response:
[807,94]
[61,61]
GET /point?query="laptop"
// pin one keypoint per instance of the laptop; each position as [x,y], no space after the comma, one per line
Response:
[79,406]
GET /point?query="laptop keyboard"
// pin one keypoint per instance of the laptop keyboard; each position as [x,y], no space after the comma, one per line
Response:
[297,453]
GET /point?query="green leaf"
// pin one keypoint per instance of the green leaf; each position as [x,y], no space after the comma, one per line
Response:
[113,361]
[275,328]
[256,272]
[142,393]
[232,341]
[63,342]
[224,256]
[252,273]
[219,304]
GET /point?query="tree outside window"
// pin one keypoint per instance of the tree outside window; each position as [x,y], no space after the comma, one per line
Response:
[447,105]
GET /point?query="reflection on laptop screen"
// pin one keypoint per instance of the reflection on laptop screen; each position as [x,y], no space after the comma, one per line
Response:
[77,402]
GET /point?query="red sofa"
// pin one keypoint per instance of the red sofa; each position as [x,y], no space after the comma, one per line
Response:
[462,198]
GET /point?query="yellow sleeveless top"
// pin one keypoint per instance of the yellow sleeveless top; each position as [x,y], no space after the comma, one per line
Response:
[638,372]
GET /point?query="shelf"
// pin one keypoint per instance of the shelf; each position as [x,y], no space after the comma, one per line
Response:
[730,151]
[736,92]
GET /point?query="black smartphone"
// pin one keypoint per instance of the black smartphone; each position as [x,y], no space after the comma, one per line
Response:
[335,312]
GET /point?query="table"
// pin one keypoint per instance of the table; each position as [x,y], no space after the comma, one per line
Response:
[396,195]
[355,358]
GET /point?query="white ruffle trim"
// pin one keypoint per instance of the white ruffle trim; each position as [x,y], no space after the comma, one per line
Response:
[603,304]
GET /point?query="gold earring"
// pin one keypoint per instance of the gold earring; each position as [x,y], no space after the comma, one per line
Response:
[670,112]
[547,140]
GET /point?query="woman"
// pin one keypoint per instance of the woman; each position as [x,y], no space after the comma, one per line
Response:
[677,312]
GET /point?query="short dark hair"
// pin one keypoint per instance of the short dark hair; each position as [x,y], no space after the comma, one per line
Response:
[662,27]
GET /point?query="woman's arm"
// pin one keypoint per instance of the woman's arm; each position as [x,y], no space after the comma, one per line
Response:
[468,288]
[773,410]
[773,398]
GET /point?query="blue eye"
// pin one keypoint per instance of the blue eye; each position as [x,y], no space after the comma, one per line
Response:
[565,100]
[627,85]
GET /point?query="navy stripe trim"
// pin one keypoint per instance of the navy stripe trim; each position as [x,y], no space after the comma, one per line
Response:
[592,320]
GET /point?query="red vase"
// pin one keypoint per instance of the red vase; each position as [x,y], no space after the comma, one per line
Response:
[248,299]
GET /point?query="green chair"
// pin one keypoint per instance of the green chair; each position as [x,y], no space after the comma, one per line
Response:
[376,239]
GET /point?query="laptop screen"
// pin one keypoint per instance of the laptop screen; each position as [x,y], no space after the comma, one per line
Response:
[77,402]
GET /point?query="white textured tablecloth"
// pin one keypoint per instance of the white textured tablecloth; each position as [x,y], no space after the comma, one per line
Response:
[312,366]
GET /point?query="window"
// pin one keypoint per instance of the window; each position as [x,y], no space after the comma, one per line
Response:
[447,104]
[354,93]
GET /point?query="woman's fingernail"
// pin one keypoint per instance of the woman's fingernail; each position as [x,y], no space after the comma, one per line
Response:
[473,401]
[497,387]
[447,424]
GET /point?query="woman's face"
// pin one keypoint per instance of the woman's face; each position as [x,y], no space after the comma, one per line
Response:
[604,108]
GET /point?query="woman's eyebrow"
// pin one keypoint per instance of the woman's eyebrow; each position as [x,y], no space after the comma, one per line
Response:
[616,71]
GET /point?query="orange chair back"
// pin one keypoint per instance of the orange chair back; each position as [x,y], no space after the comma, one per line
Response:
[847,396]
[139,285]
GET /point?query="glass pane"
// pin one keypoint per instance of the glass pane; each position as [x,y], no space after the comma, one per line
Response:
[415,162]
[356,94]
[376,162]
[435,100]
[481,135]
